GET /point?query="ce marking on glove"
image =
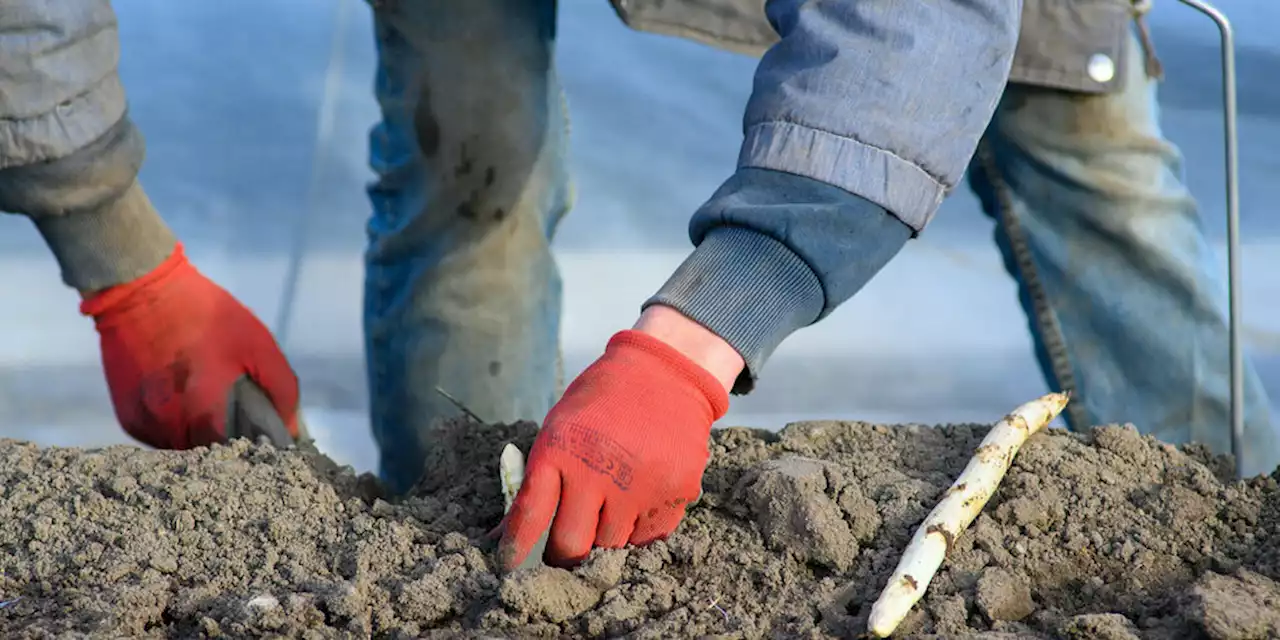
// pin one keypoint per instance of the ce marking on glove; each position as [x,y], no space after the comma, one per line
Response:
[598,452]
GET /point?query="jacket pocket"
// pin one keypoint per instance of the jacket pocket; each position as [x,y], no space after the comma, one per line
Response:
[1076,45]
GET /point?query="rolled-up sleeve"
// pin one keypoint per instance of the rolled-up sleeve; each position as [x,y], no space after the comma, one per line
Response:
[69,154]
[863,117]
[60,90]
[882,98]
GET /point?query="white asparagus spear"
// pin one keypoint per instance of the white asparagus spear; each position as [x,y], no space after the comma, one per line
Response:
[511,473]
[957,509]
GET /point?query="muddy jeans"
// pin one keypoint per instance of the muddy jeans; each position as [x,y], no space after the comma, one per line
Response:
[462,291]
[1118,281]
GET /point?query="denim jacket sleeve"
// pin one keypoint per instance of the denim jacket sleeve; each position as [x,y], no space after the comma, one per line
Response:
[69,155]
[862,118]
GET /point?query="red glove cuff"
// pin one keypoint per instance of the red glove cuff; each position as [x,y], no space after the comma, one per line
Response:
[119,296]
[676,362]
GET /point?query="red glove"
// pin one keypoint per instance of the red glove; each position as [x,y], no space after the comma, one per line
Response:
[173,345]
[622,453]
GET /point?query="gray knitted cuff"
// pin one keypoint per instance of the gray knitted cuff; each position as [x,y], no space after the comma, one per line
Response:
[747,288]
[114,243]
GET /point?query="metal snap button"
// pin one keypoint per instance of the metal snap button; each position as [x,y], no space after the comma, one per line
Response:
[1101,68]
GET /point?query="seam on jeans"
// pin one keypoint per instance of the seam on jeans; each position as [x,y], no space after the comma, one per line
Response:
[570,184]
[1055,344]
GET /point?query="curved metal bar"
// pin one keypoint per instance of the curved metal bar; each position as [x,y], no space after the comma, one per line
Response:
[319,153]
[1233,221]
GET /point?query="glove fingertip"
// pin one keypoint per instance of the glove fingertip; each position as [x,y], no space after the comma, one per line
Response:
[278,382]
[657,526]
[530,515]
[616,526]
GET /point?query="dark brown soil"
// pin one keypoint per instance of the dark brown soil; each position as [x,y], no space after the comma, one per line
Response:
[1107,535]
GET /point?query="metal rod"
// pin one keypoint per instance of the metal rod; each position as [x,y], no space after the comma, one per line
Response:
[1233,223]
[320,152]
[458,404]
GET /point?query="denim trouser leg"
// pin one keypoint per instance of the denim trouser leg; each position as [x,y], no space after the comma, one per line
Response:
[461,290]
[1115,273]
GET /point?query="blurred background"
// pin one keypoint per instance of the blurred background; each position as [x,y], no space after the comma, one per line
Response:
[229,96]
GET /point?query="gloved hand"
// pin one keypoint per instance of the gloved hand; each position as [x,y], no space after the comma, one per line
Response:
[622,454]
[173,345]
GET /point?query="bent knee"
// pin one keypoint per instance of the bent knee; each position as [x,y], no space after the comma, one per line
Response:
[475,80]
[472,146]
[1095,149]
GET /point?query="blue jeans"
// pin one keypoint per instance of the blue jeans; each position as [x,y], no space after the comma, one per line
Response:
[462,290]
[1115,274]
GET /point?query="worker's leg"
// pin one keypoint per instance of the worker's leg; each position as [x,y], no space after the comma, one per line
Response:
[461,290]
[1123,291]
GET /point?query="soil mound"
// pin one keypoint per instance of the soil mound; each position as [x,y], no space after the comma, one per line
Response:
[1105,535]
